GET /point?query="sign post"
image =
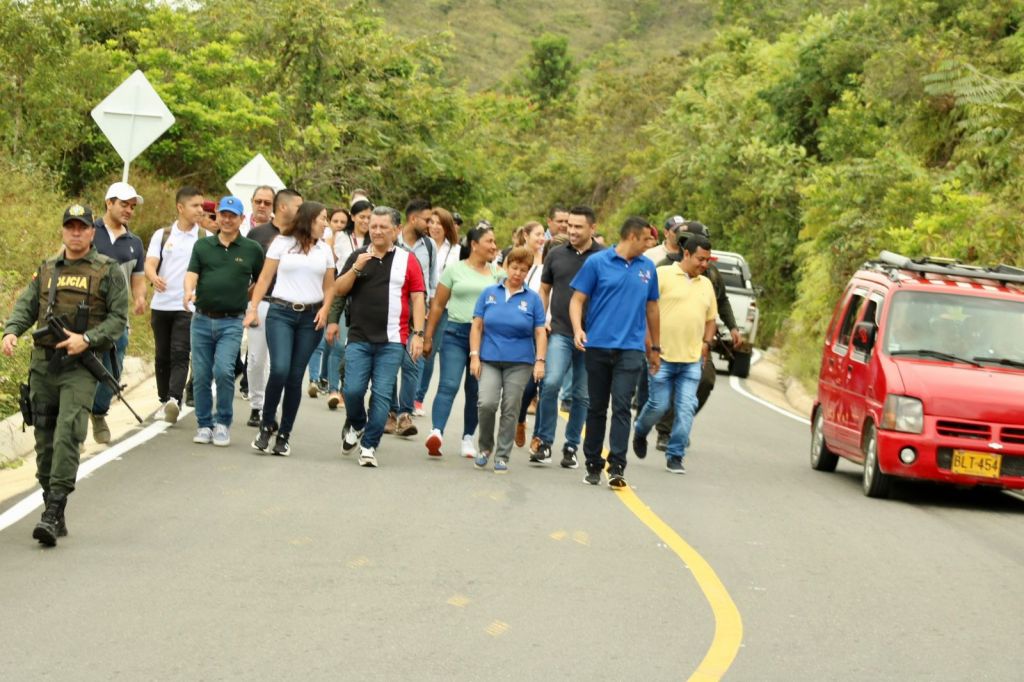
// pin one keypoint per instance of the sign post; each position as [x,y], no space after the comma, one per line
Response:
[132,117]
[254,174]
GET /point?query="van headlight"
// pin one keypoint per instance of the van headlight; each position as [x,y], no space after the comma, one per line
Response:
[903,413]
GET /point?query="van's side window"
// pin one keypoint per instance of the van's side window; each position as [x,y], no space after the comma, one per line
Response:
[871,309]
[849,319]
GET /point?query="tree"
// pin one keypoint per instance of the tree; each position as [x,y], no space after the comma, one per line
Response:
[551,74]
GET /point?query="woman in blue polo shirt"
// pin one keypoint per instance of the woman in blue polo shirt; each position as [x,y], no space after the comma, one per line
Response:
[507,345]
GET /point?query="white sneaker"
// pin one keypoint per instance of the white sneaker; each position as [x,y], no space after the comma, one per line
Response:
[350,439]
[221,436]
[366,458]
[468,449]
[171,410]
[160,413]
[204,435]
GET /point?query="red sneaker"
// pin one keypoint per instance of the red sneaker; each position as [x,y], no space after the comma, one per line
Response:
[434,443]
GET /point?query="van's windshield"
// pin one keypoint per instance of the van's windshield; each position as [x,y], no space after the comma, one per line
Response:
[956,328]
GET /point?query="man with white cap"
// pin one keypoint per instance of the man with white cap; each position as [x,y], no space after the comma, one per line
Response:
[114,240]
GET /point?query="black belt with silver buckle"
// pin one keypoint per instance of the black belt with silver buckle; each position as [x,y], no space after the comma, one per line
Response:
[297,307]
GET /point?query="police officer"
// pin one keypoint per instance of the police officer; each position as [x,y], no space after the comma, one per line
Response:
[88,292]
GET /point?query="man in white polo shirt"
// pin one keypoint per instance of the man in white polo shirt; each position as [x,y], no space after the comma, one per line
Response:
[167,260]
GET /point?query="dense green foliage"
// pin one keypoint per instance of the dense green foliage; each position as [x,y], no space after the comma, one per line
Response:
[806,141]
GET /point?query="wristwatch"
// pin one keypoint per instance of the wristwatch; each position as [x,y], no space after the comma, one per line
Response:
[88,341]
[417,332]
[656,349]
[474,352]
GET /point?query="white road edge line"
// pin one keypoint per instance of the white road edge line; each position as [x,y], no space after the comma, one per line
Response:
[736,386]
[34,500]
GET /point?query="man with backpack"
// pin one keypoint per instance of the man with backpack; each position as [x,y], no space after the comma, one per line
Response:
[413,237]
[170,250]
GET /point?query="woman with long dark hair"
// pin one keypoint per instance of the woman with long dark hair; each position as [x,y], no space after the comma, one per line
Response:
[534,240]
[457,292]
[301,298]
[441,228]
[325,372]
[357,234]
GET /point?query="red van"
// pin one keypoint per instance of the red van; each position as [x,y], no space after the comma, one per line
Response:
[922,375]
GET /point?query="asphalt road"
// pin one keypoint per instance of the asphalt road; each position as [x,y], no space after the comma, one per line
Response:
[193,562]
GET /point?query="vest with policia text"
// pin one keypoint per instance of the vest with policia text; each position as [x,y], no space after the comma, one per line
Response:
[77,282]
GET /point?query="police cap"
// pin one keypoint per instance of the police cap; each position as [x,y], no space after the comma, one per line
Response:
[696,227]
[79,213]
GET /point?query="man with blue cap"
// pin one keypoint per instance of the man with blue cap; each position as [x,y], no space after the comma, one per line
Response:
[219,274]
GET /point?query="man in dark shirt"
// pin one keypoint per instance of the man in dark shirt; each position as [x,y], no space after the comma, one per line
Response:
[386,291]
[286,205]
[560,266]
[114,240]
[219,275]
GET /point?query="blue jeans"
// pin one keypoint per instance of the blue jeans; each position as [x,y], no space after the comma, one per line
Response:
[611,377]
[401,401]
[427,363]
[215,346]
[291,338]
[335,356]
[103,396]
[364,362]
[562,358]
[683,378]
[454,363]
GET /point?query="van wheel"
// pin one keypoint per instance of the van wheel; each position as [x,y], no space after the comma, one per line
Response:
[822,459]
[875,483]
[739,366]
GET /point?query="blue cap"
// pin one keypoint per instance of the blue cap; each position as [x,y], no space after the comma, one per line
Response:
[233,204]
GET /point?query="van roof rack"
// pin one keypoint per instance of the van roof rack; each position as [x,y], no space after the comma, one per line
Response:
[950,268]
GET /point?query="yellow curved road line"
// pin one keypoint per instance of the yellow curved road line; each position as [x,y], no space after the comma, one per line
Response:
[728,624]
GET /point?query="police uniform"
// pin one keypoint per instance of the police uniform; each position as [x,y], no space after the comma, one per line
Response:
[91,296]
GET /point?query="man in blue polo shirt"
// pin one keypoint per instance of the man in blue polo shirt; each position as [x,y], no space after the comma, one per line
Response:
[114,240]
[619,286]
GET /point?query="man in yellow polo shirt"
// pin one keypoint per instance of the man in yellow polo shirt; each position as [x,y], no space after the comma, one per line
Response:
[688,311]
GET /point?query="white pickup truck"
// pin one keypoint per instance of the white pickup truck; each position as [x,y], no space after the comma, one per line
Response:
[743,299]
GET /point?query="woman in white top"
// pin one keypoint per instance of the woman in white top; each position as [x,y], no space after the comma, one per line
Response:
[534,239]
[325,365]
[357,233]
[441,228]
[301,298]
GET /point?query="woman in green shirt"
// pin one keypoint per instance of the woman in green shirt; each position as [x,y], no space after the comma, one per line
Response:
[460,286]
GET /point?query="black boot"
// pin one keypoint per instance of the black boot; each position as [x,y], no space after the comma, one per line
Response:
[62,526]
[48,529]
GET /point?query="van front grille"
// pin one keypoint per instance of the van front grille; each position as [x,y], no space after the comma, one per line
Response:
[1013,435]
[955,429]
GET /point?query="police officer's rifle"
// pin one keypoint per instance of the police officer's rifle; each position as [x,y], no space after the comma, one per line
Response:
[56,325]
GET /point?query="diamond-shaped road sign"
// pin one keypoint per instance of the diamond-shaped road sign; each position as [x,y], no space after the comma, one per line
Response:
[132,117]
[253,174]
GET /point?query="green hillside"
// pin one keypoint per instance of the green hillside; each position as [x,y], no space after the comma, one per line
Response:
[492,37]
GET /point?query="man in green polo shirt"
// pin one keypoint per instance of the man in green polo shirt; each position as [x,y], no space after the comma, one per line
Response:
[222,269]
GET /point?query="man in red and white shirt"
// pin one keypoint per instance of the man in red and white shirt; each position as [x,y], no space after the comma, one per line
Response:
[386,306]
